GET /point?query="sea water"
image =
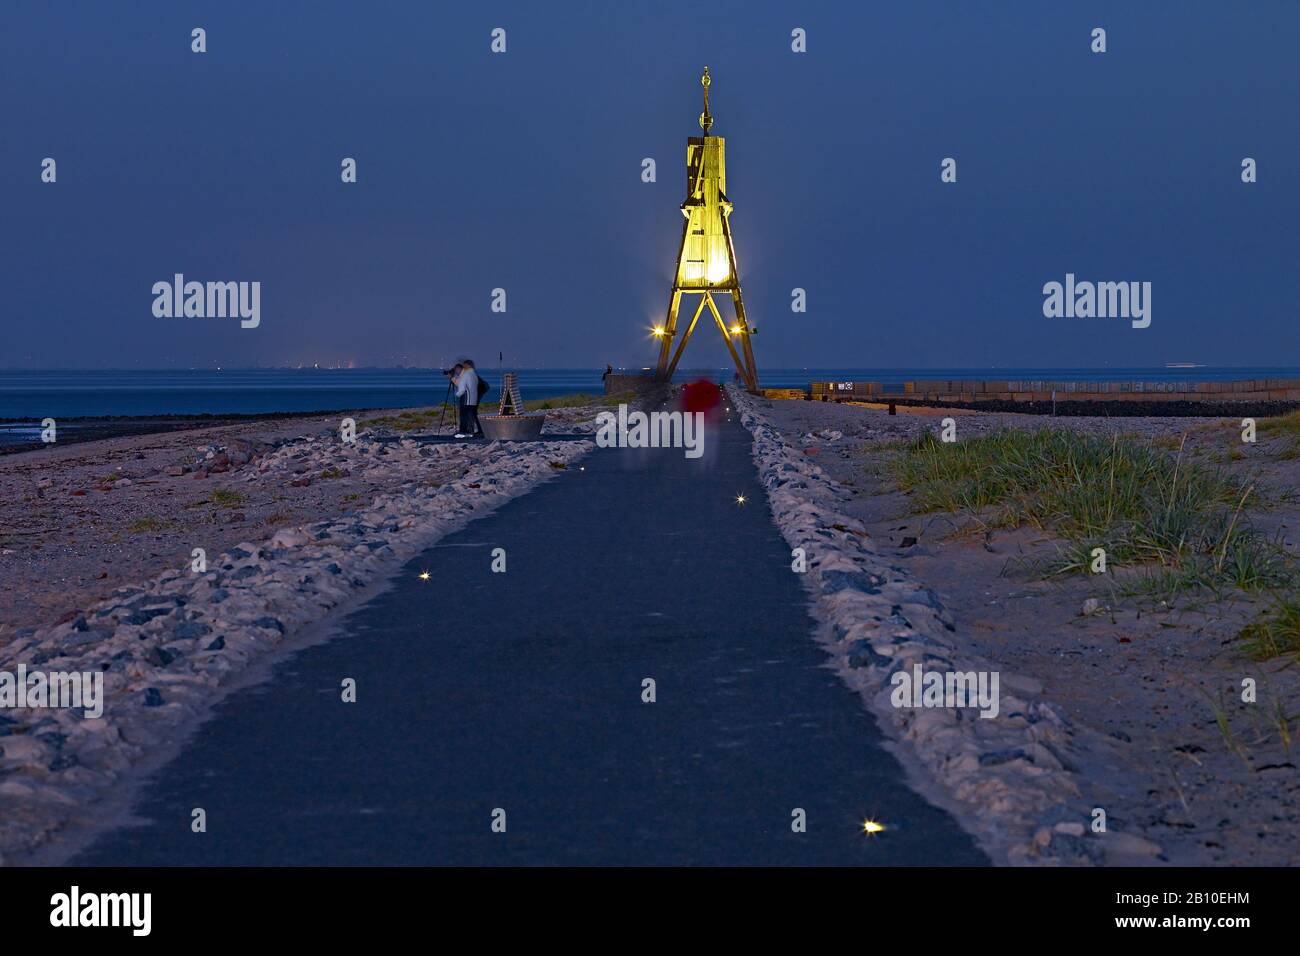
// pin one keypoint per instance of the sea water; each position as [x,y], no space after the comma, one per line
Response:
[27,397]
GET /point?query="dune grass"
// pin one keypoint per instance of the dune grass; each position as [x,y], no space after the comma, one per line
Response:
[1288,424]
[573,401]
[1144,505]
[411,421]
[1276,632]
[1284,426]
[426,418]
[149,523]
[228,498]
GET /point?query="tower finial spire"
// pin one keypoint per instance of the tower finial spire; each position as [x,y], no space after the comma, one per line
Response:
[706,120]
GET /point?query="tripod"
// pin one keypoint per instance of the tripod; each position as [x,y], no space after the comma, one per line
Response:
[446,403]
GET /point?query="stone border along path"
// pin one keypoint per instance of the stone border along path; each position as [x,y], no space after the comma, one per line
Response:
[167,647]
[1011,780]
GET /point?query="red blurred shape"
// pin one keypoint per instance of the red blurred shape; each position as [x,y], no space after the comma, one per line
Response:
[700,396]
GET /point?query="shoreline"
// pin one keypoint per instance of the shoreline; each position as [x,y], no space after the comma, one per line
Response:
[88,428]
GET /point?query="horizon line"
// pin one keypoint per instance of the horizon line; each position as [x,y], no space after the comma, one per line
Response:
[580,368]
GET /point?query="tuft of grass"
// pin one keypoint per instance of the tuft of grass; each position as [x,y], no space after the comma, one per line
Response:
[1230,740]
[1277,631]
[278,517]
[228,498]
[148,523]
[1282,721]
[1142,504]
[332,473]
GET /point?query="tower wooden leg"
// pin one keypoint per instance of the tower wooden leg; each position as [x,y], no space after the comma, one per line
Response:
[751,368]
[681,346]
[726,337]
[670,327]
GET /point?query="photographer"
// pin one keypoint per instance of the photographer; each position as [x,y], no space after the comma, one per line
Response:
[467,391]
[453,374]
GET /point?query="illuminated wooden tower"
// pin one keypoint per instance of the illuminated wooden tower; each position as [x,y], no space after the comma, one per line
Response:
[706,259]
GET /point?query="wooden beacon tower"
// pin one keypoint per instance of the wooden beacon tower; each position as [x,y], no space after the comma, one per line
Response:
[706,258]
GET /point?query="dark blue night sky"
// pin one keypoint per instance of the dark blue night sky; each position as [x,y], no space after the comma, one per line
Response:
[522,171]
